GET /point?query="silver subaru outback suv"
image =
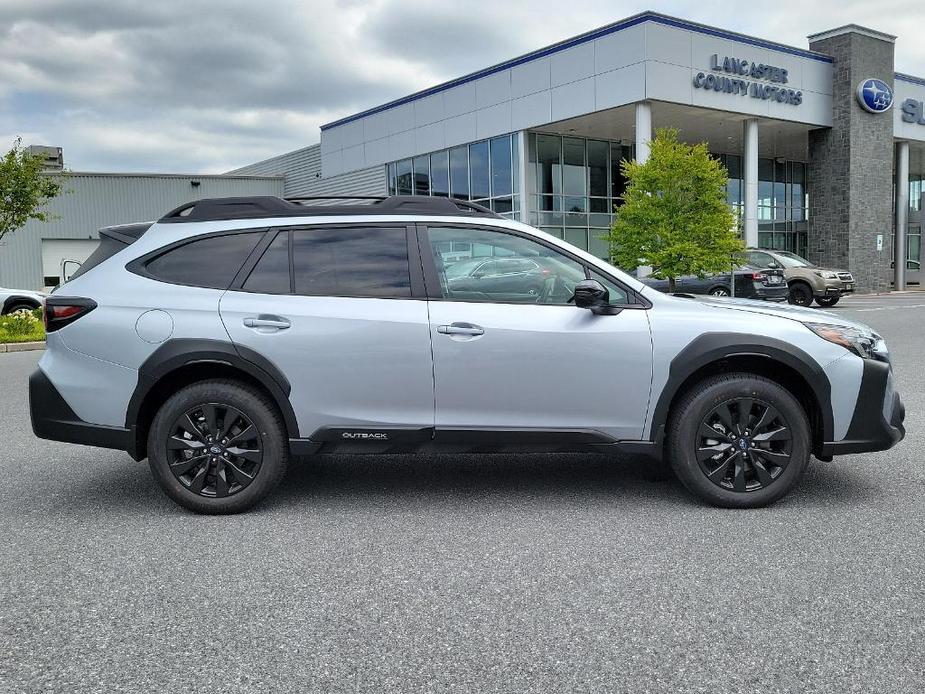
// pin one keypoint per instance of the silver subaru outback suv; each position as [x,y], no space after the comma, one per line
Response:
[235,334]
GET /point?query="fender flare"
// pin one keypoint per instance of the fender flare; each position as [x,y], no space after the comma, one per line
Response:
[712,347]
[177,353]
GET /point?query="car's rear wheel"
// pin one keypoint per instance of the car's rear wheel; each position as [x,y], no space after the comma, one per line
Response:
[801,294]
[719,291]
[739,440]
[827,301]
[217,447]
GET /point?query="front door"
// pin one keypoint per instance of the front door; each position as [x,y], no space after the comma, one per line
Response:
[523,357]
[345,327]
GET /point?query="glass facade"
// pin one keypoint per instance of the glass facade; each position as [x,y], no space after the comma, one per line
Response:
[575,184]
[483,172]
[578,183]
[783,205]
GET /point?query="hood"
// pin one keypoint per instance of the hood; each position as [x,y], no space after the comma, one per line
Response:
[796,313]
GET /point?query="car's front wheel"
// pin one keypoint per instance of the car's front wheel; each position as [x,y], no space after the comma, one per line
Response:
[739,440]
[217,447]
[719,291]
[801,294]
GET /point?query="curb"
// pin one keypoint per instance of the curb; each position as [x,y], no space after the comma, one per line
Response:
[21,346]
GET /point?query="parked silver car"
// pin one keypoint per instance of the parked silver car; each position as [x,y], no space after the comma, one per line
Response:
[12,300]
[236,333]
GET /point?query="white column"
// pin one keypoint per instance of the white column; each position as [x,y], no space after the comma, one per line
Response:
[750,180]
[520,174]
[643,130]
[902,215]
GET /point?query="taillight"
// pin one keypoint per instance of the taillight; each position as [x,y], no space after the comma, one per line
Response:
[64,310]
[757,277]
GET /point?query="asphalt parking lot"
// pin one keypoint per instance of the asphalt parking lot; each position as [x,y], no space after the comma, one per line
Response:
[465,573]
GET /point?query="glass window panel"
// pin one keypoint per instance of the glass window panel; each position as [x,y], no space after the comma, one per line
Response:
[617,295]
[600,220]
[548,164]
[479,182]
[597,167]
[391,176]
[576,204]
[404,182]
[210,262]
[765,182]
[617,181]
[351,262]
[501,167]
[734,165]
[598,246]
[577,237]
[502,205]
[515,164]
[574,174]
[534,273]
[422,175]
[599,204]
[554,231]
[271,273]
[440,174]
[459,173]
[764,239]
[734,191]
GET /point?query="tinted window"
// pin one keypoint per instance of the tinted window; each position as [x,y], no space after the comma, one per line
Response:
[271,273]
[351,262]
[459,173]
[211,262]
[515,269]
[439,174]
[479,183]
[421,176]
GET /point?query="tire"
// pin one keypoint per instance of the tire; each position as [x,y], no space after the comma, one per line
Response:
[801,294]
[827,301]
[19,307]
[238,476]
[719,291]
[780,462]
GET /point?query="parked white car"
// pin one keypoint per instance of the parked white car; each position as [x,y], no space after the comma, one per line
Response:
[12,300]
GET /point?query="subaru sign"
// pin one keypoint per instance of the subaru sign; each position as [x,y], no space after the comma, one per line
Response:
[875,96]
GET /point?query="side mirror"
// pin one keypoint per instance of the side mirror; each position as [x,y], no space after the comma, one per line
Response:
[593,295]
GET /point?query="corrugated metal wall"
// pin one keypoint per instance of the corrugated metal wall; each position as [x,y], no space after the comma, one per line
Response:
[95,200]
[302,169]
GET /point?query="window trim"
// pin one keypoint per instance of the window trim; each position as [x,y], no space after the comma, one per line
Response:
[415,270]
[432,282]
[139,265]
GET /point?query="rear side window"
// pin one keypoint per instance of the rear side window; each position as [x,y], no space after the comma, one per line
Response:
[211,262]
[371,262]
[271,273]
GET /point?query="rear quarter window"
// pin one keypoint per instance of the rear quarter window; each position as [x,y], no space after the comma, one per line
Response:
[210,262]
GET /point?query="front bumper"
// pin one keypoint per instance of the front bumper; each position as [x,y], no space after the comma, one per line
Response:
[836,287]
[877,422]
[53,419]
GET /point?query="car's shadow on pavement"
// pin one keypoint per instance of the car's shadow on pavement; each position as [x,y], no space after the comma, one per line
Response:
[486,481]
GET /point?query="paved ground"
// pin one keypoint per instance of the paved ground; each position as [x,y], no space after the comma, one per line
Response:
[483,574]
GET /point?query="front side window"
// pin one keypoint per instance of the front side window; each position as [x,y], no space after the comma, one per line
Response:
[210,262]
[360,262]
[487,265]
[271,273]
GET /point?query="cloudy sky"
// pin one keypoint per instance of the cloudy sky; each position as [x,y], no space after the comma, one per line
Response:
[208,85]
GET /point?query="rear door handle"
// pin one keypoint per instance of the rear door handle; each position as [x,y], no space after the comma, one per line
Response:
[460,329]
[266,322]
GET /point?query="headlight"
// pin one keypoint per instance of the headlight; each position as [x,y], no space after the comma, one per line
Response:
[826,275]
[863,344]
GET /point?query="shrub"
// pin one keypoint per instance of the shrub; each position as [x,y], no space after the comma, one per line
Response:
[21,323]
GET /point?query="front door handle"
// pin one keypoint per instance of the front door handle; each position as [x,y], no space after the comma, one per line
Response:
[275,322]
[460,329]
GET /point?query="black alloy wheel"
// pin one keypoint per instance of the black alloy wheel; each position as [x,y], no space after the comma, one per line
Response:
[719,291]
[743,445]
[801,295]
[214,450]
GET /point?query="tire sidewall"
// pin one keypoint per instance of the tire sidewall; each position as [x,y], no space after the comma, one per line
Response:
[686,422]
[253,405]
[803,291]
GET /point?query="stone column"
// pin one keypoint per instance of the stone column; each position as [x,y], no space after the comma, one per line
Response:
[750,180]
[643,130]
[850,182]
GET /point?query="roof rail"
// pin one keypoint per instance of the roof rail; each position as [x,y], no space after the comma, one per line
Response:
[257,207]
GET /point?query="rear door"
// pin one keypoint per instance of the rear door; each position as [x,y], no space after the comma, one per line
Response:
[340,310]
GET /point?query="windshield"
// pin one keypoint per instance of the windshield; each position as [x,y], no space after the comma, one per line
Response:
[788,259]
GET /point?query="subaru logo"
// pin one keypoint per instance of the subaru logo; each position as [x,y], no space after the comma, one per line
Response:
[216,450]
[875,96]
[743,444]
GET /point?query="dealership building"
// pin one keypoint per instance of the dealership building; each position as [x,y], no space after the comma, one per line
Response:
[824,145]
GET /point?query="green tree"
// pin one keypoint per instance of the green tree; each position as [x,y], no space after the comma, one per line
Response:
[24,189]
[675,217]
